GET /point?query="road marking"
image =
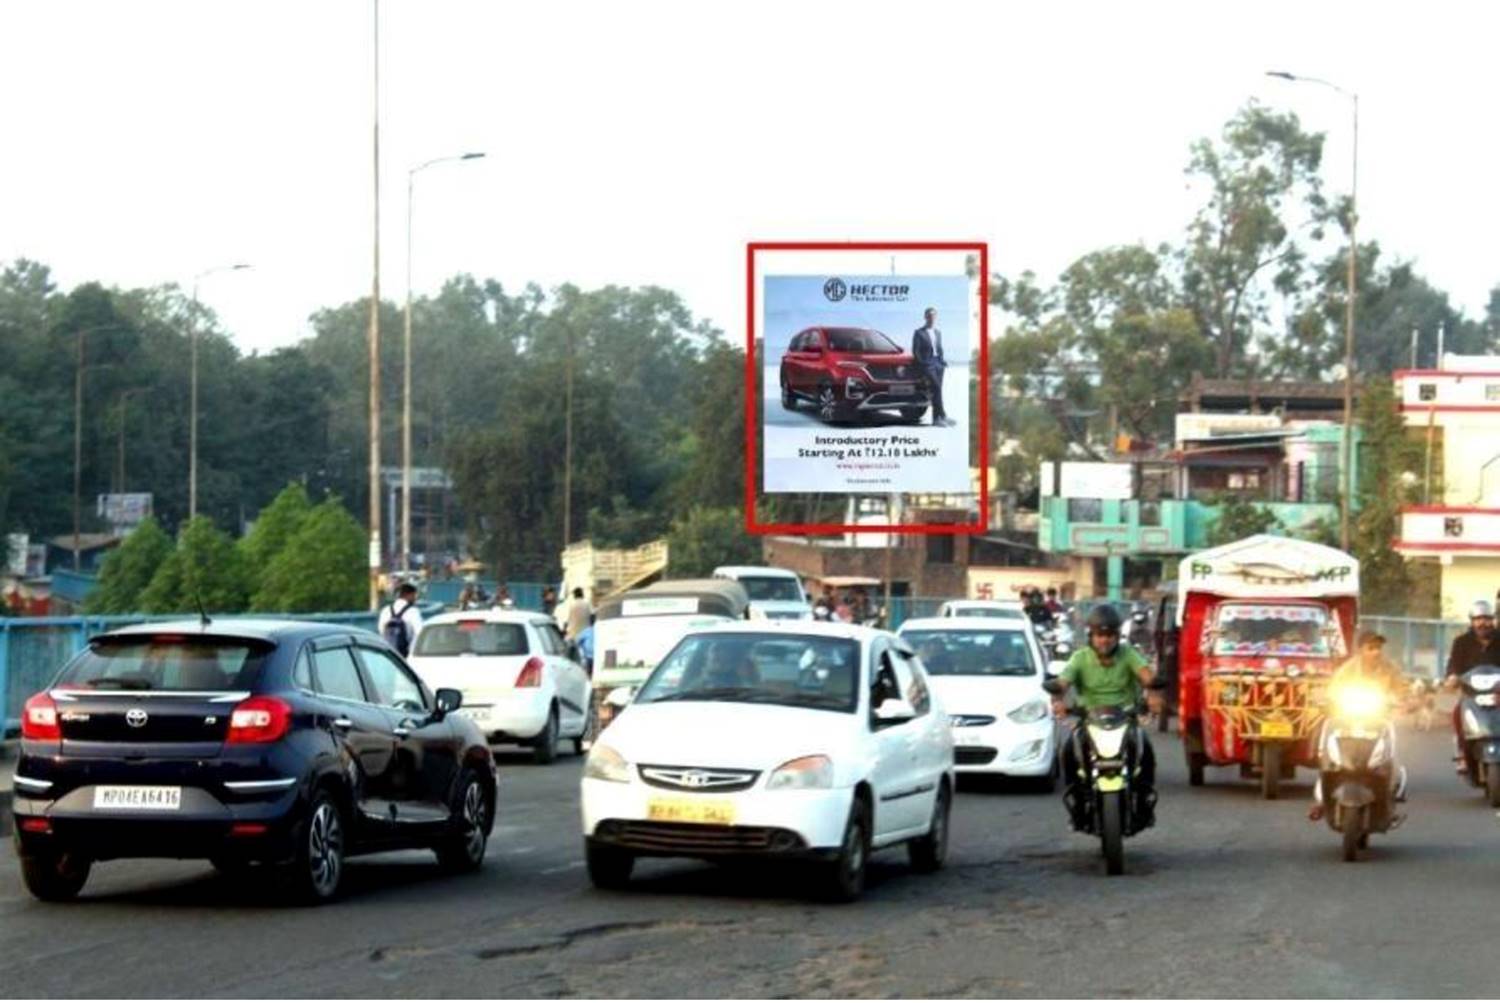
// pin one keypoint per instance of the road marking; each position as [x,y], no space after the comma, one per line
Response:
[565,867]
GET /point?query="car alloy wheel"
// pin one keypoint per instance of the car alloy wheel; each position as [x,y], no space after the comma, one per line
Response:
[828,404]
[474,838]
[325,849]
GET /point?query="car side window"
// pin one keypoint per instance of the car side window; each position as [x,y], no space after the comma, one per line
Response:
[394,686]
[917,693]
[335,675]
[552,641]
[302,672]
[884,683]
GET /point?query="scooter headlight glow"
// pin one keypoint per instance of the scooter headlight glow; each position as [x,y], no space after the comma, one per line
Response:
[1483,682]
[1358,701]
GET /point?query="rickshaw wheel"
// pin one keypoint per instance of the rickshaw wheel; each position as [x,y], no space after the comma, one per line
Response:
[1195,763]
[1270,771]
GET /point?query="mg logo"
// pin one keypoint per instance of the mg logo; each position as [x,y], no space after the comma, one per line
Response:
[136,718]
[695,778]
[835,289]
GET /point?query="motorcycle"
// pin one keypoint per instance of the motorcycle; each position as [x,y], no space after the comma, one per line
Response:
[1139,631]
[1479,714]
[1108,748]
[1357,778]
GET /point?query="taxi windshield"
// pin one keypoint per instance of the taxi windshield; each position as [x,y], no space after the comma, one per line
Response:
[788,669]
[1274,629]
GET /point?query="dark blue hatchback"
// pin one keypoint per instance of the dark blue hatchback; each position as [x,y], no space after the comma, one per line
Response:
[246,742]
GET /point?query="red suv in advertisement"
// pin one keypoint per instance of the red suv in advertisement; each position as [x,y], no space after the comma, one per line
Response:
[851,372]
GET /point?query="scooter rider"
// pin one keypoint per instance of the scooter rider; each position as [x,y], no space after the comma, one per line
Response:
[1369,665]
[1479,645]
[1108,673]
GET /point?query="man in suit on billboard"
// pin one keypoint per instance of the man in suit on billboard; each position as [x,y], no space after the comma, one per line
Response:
[927,349]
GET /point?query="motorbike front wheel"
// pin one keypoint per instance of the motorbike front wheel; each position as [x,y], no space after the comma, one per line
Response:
[1112,832]
[1492,784]
[1354,834]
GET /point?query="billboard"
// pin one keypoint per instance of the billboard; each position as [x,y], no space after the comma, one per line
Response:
[124,511]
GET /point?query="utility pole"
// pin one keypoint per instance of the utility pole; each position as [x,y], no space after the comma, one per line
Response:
[568,447]
[77,450]
[374,346]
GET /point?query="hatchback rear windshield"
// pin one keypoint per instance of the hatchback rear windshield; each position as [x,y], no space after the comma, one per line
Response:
[768,589]
[470,637]
[854,339]
[166,664]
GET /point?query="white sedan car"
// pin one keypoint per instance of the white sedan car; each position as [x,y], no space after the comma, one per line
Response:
[807,741]
[989,674]
[520,680]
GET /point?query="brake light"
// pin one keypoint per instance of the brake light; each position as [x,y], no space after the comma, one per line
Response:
[36,825]
[531,673]
[39,720]
[259,719]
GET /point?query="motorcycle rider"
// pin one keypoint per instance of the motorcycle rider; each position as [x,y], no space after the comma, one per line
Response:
[1479,645]
[1036,610]
[1369,665]
[1109,673]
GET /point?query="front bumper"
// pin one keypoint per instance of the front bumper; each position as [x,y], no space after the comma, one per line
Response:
[770,823]
[1006,748]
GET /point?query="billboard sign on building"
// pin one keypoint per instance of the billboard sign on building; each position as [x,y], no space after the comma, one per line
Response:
[124,511]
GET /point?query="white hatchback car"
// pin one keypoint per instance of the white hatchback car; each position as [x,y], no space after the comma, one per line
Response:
[520,681]
[989,675]
[1001,609]
[803,741]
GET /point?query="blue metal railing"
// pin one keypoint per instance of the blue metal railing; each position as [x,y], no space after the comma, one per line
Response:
[33,649]
[1420,647]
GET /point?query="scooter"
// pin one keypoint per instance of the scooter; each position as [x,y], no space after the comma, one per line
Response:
[1479,714]
[1139,635]
[1108,747]
[1358,782]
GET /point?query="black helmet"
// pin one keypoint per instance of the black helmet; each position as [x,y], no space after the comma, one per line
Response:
[1104,617]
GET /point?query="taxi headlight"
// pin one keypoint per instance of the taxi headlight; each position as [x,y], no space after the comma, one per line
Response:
[605,763]
[1030,713]
[804,774]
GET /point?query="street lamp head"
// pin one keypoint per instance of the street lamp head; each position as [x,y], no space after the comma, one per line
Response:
[472,156]
[1282,74]
[239,267]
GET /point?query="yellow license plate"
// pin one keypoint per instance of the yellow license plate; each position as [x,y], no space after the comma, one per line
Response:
[703,812]
[1276,729]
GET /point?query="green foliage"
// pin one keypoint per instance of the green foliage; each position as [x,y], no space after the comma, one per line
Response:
[205,567]
[708,537]
[129,569]
[321,567]
[274,528]
[1237,518]
[1386,453]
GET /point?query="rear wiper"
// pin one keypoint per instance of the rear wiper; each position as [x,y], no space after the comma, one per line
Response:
[117,683]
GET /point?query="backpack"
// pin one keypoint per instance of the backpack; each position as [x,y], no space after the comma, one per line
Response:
[397,634]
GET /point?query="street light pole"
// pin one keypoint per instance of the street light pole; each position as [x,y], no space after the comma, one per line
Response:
[193,385]
[78,439]
[1346,475]
[411,176]
[125,395]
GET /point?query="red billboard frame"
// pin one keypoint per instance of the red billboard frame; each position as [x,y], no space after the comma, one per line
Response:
[752,400]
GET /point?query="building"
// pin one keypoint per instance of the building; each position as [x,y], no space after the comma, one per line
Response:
[1454,411]
[1121,525]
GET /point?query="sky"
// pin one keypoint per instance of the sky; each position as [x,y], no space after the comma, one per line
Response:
[646,143]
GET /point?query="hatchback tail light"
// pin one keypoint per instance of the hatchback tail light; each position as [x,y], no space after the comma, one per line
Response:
[39,719]
[531,673]
[259,719]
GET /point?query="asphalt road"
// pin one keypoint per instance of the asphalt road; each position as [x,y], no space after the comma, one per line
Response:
[1227,896]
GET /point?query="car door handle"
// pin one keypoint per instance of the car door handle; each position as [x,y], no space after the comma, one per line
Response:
[343,723]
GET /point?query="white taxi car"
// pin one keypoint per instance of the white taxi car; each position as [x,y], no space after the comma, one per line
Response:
[989,675]
[798,741]
[522,683]
[1000,609]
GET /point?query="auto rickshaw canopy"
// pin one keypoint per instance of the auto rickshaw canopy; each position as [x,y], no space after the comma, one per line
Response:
[1267,567]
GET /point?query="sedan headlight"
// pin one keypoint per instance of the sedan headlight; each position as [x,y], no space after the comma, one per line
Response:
[1030,713]
[605,763]
[805,774]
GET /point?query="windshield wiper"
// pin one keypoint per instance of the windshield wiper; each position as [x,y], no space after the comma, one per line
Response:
[715,693]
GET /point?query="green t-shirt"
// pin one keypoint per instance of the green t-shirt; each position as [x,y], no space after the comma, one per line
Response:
[1114,685]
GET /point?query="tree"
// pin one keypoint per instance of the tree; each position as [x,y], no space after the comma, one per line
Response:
[321,568]
[1386,453]
[1237,518]
[129,569]
[276,525]
[1264,209]
[205,568]
[706,538]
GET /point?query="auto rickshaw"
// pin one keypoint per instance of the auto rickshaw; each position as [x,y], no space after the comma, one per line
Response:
[1264,622]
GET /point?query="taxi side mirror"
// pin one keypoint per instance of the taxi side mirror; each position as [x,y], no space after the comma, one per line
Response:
[894,710]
